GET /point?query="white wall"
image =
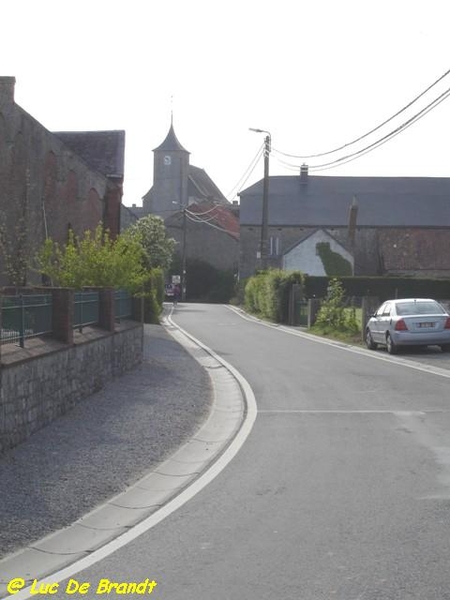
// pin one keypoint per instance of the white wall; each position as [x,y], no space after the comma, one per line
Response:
[303,257]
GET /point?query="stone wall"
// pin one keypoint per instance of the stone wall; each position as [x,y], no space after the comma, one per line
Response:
[377,251]
[48,380]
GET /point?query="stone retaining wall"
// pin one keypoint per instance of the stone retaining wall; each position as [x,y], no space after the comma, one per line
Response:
[45,382]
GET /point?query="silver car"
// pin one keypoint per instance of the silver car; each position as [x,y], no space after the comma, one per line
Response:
[409,322]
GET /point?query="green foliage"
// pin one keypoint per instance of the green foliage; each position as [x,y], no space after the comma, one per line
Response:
[204,282]
[151,232]
[95,260]
[333,315]
[384,288]
[154,296]
[267,293]
[333,263]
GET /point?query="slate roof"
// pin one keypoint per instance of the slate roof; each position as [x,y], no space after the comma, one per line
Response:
[324,201]
[171,143]
[201,186]
[103,151]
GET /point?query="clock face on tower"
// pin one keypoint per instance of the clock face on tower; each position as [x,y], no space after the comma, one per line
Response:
[167,160]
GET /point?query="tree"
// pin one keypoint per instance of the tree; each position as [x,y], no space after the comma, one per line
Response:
[95,260]
[151,232]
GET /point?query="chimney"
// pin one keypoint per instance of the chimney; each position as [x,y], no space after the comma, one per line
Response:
[7,90]
[304,174]
[352,216]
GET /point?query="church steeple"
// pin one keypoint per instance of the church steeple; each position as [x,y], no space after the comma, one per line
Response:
[171,143]
[170,176]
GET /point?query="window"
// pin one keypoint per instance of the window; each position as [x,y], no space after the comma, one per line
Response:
[386,310]
[274,245]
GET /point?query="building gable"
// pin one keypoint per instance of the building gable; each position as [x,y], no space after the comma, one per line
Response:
[306,255]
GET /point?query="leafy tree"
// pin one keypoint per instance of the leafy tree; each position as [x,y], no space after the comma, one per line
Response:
[151,232]
[95,260]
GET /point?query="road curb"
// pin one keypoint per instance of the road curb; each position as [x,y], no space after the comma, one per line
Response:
[154,496]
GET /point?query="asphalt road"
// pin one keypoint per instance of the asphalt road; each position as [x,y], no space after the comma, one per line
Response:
[342,490]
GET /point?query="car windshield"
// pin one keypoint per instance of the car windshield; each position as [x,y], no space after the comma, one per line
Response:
[418,308]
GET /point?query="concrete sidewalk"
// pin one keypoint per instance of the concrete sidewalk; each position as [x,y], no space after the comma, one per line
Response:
[104,444]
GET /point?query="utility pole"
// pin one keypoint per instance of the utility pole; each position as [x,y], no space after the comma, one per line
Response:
[265,206]
[265,200]
[183,258]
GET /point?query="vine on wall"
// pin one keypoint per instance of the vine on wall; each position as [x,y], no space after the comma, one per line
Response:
[333,263]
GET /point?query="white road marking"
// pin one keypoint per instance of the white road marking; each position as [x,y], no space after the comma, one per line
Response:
[349,412]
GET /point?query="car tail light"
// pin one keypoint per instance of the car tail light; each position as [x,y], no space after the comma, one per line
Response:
[447,323]
[401,325]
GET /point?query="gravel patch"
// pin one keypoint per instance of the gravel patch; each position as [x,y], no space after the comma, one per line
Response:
[104,444]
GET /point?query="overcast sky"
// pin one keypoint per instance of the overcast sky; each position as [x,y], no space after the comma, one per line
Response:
[317,74]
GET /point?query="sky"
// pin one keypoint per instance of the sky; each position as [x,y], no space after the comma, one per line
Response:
[316,74]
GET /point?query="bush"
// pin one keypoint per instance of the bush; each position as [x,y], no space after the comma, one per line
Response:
[333,316]
[267,293]
[153,296]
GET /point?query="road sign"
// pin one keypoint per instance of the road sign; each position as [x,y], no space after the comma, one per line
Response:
[176,278]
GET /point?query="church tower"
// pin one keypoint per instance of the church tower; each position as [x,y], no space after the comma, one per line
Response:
[170,178]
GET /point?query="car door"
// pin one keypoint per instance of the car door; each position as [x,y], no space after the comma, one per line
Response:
[381,323]
[375,328]
[384,321]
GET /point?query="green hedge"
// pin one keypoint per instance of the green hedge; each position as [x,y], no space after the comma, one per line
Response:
[267,293]
[384,288]
[154,296]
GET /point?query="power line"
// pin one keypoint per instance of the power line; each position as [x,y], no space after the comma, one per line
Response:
[203,213]
[247,172]
[388,136]
[206,223]
[372,130]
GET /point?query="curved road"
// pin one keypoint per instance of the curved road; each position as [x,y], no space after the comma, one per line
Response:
[342,490]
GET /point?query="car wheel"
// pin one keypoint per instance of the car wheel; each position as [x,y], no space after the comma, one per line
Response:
[445,347]
[369,341]
[391,347]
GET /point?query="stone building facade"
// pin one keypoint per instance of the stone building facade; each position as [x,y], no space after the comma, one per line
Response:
[52,182]
[400,225]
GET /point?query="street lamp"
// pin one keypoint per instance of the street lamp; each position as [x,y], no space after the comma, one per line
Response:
[265,203]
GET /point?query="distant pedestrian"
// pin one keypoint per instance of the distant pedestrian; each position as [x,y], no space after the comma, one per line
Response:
[176,294]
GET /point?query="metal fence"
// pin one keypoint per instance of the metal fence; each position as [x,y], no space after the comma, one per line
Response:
[123,304]
[301,313]
[30,315]
[25,316]
[86,309]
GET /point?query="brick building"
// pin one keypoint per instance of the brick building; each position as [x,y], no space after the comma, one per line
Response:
[389,225]
[50,182]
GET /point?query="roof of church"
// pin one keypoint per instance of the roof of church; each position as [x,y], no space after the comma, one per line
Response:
[103,151]
[171,143]
[201,186]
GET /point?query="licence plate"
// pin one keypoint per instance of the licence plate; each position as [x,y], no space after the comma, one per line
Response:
[425,325]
